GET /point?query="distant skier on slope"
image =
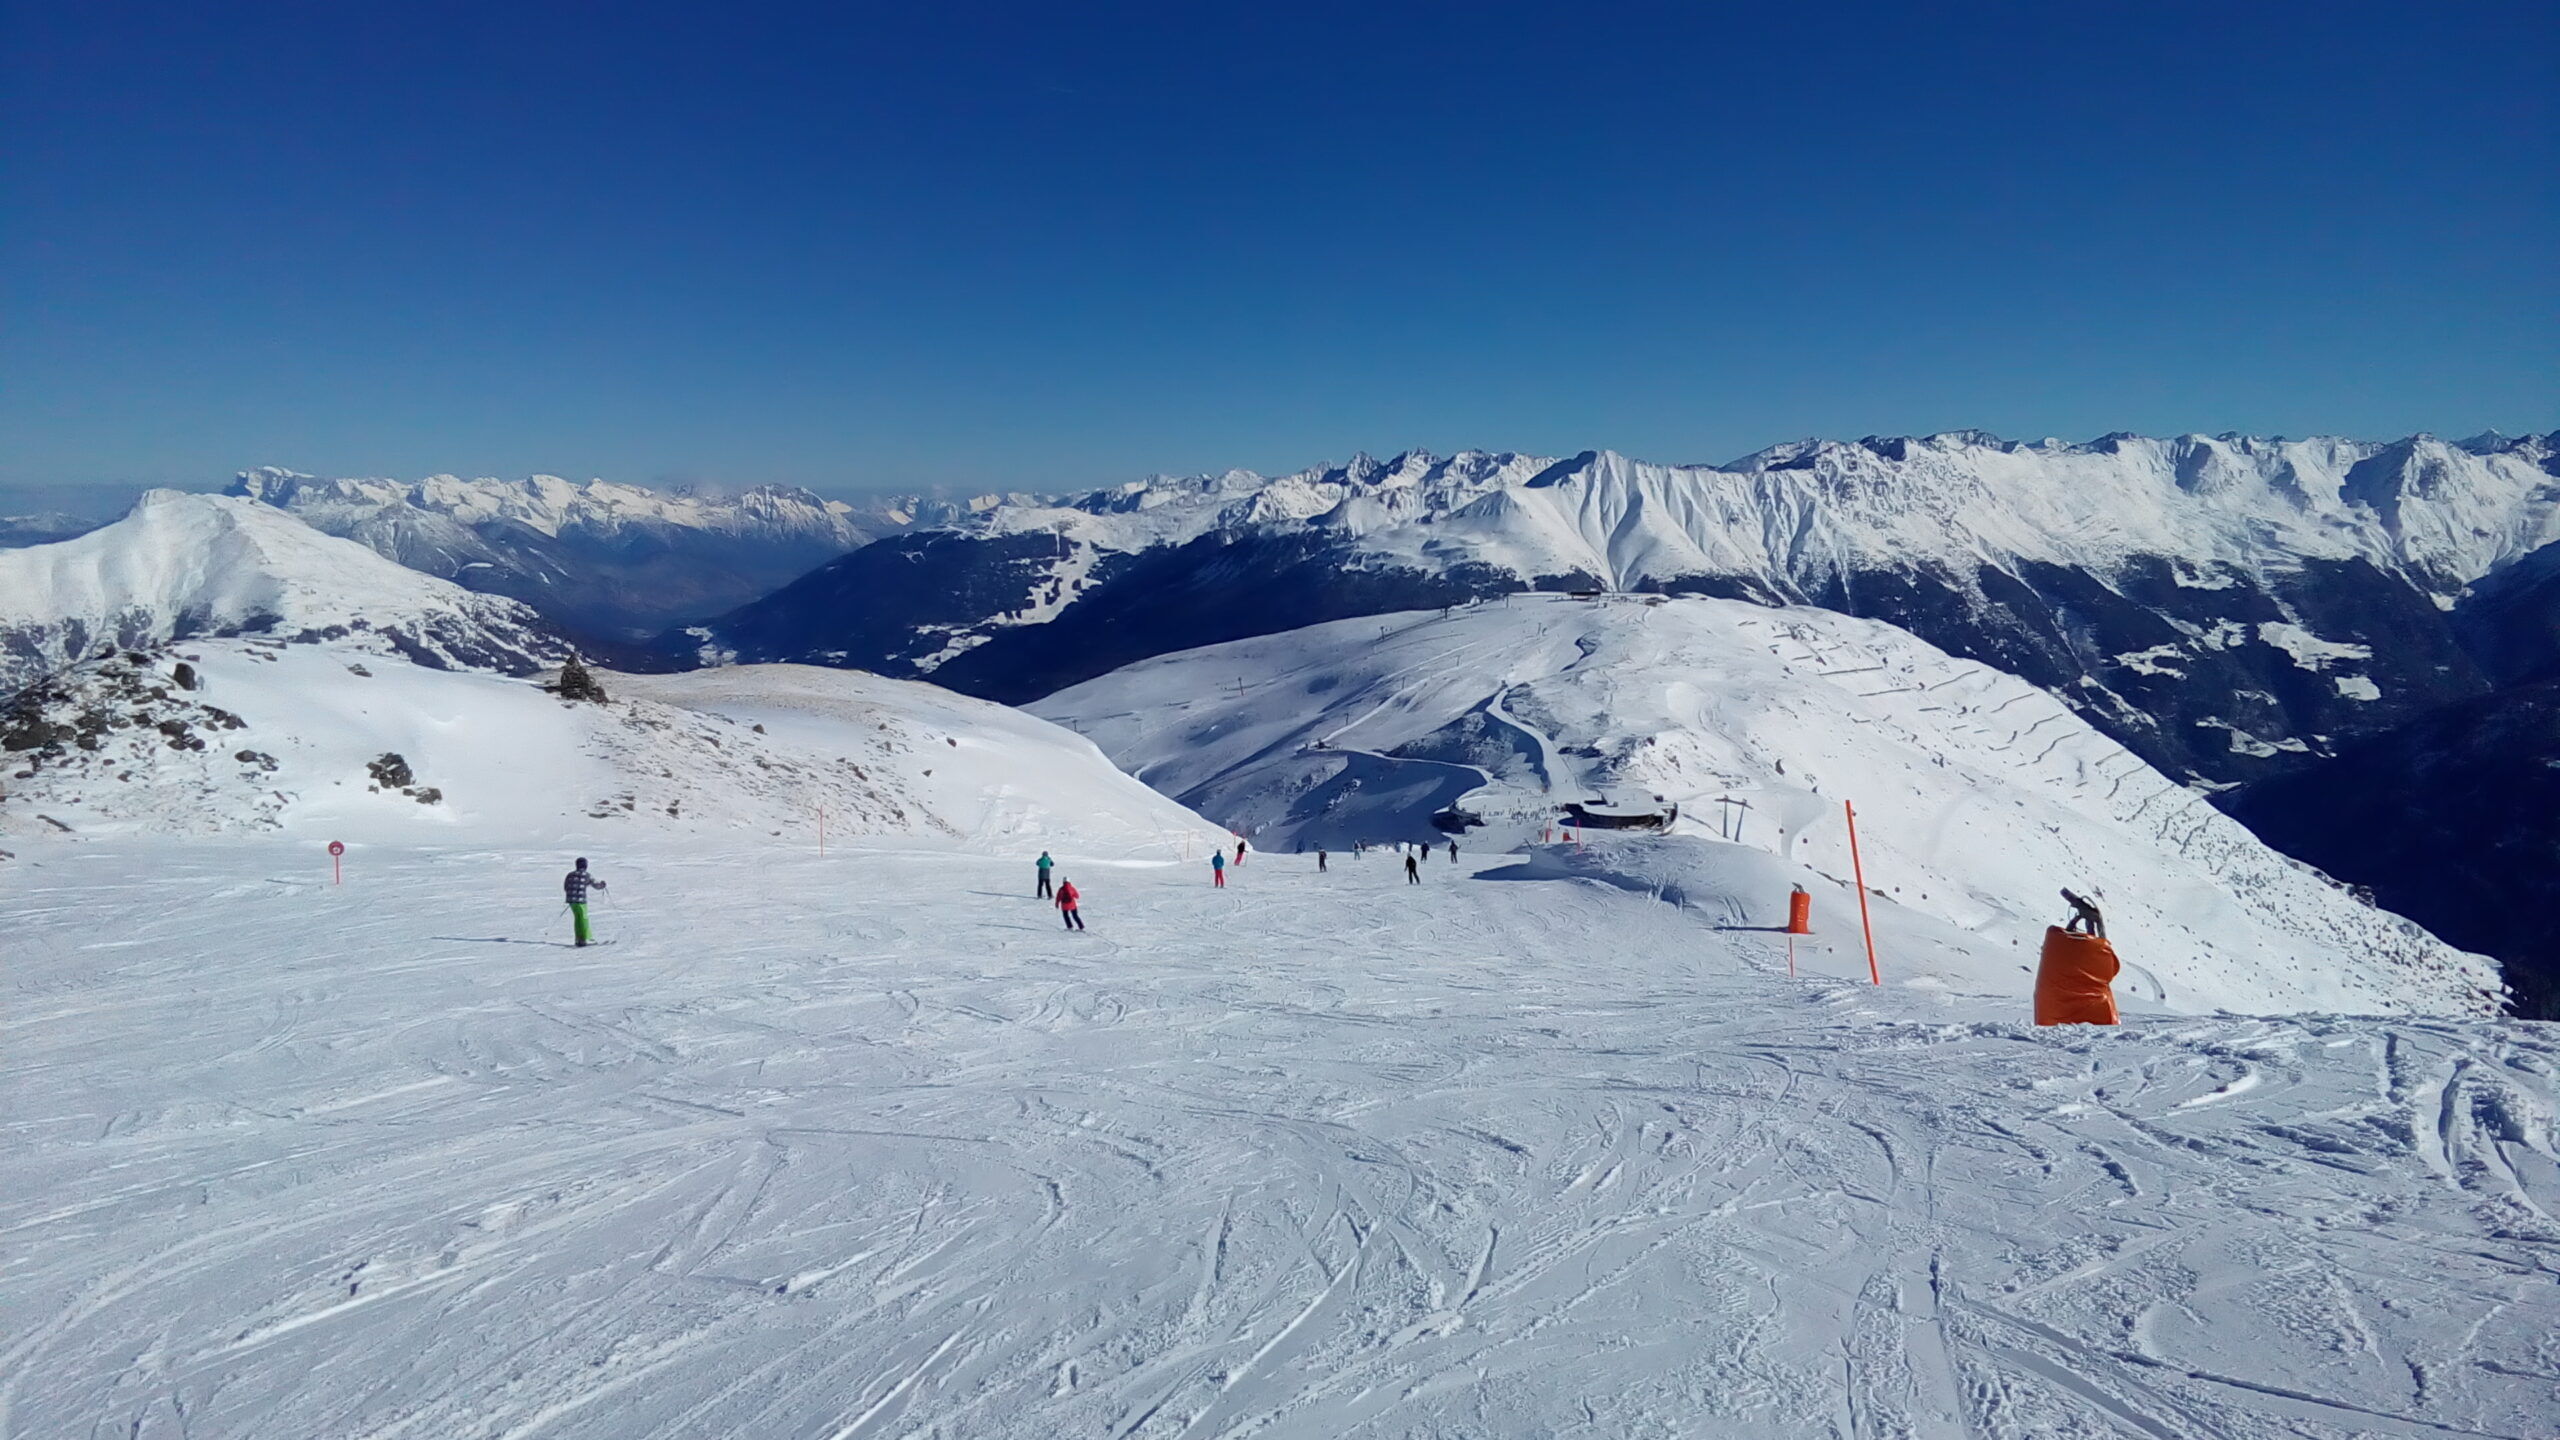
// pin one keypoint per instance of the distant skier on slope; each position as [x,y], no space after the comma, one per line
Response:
[1453,852]
[1239,849]
[1218,868]
[575,886]
[1319,862]
[1412,870]
[1067,898]
[1043,865]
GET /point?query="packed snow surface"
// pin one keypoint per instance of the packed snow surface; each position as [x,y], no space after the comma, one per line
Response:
[865,1146]
[1979,796]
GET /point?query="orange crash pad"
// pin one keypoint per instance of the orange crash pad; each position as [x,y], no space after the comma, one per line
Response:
[2075,980]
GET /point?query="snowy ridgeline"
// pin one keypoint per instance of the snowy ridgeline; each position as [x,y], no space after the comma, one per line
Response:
[1979,796]
[260,734]
[2228,608]
[2442,513]
[864,1146]
[188,565]
[610,558]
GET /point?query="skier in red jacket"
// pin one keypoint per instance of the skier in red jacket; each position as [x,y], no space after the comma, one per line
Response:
[1067,898]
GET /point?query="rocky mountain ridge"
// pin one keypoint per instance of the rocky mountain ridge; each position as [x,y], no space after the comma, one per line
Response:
[2227,607]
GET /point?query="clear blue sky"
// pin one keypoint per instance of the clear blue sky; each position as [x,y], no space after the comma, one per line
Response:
[1044,245]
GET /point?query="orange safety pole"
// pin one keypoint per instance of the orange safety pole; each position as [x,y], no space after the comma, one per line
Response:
[1860,871]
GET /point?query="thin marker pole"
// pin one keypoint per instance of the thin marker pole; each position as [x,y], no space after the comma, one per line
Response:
[1860,871]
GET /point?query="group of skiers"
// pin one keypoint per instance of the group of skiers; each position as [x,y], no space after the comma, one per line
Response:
[1062,893]
[2074,984]
[1412,857]
[1065,897]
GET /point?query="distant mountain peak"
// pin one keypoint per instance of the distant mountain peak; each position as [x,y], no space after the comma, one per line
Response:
[181,565]
[610,559]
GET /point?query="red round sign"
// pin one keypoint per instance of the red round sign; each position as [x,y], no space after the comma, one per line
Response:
[337,847]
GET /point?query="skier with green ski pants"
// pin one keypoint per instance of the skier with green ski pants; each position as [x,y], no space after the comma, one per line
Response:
[575,887]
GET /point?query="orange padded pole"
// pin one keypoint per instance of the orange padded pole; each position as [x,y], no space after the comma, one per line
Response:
[1860,871]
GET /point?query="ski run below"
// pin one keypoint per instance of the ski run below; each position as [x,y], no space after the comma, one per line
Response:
[865,1146]
[1979,797]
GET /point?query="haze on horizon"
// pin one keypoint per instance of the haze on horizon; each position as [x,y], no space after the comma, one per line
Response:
[1008,247]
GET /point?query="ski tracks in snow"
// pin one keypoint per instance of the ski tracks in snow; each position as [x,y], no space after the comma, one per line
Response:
[1312,1156]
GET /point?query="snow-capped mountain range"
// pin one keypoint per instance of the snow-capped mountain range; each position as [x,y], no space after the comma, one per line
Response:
[2224,606]
[600,558]
[42,528]
[182,566]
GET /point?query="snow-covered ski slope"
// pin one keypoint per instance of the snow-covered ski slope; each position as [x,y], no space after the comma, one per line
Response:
[1980,796]
[185,565]
[865,1147]
[279,736]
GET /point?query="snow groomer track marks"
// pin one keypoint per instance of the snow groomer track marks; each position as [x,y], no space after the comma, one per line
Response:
[860,1148]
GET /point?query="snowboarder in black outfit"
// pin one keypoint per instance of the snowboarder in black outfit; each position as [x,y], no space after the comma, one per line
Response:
[1319,862]
[1412,870]
[575,886]
[1453,852]
[2085,919]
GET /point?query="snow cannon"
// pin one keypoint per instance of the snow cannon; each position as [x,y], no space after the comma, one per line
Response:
[1799,913]
[2075,979]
